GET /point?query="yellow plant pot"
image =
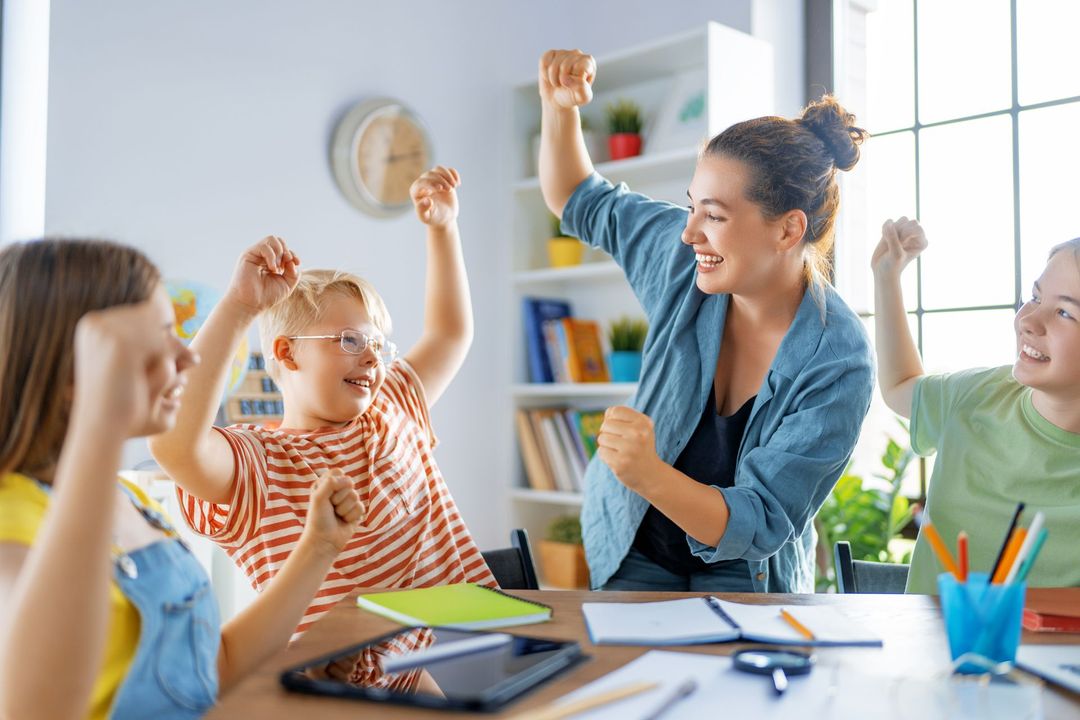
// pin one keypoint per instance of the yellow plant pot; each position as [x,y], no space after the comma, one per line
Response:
[565,251]
[564,565]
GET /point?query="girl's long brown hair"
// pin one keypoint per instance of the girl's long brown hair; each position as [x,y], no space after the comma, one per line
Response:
[46,286]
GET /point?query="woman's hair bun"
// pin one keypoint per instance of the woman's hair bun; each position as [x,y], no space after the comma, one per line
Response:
[836,128]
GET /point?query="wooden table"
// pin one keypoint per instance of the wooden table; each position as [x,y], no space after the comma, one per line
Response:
[910,625]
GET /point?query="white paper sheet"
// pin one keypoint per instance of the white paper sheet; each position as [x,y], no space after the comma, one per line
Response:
[827,693]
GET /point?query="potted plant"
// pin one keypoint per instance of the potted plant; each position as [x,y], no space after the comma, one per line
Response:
[562,556]
[869,513]
[624,128]
[627,338]
[563,250]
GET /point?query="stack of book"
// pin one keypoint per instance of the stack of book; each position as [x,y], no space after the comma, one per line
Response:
[560,347]
[556,445]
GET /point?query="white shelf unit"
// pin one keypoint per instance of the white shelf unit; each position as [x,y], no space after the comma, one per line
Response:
[739,85]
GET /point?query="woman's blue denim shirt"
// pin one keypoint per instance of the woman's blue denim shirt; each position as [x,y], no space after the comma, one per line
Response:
[804,422]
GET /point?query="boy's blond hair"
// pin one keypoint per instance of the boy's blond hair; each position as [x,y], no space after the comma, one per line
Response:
[305,304]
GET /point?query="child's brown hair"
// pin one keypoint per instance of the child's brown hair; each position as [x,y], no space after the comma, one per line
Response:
[46,286]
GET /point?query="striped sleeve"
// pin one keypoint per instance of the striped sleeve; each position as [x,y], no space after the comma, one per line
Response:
[237,521]
[404,390]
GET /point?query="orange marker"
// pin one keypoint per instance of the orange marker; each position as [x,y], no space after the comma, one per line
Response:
[940,550]
[962,555]
[1009,557]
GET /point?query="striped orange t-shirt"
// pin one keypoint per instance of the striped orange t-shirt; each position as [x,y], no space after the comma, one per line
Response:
[412,534]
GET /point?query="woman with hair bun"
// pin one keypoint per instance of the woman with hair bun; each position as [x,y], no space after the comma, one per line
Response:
[756,375]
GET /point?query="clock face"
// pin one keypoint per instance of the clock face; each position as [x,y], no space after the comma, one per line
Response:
[380,148]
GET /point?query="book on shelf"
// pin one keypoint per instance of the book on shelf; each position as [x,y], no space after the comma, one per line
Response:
[554,449]
[537,310]
[565,474]
[575,351]
[537,471]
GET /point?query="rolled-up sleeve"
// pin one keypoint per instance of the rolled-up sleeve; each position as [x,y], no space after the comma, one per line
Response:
[781,484]
[641,234]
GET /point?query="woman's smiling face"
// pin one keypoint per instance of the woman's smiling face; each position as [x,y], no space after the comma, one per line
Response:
[736,246]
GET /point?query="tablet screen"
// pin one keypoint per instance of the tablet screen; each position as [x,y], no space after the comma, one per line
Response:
[436,667]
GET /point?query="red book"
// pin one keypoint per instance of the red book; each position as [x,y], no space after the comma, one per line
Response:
[1052,610]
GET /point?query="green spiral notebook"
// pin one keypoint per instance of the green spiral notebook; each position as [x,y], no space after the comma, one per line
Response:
[465,606]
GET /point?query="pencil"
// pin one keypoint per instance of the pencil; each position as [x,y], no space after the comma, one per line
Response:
[1033,532]
[564,710]
[803,630]
[1030,560]
[1011,551]
[940,550]
[962,555]
[1008,536]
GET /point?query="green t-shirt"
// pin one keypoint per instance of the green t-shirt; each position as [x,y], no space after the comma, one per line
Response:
[993,451]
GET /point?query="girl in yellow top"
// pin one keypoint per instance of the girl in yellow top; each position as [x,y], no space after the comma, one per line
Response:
[95,587]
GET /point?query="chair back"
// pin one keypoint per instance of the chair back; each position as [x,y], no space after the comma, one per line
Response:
[513,566]
[861,576]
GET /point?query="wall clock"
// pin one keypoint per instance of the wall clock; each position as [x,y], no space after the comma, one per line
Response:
[379,148]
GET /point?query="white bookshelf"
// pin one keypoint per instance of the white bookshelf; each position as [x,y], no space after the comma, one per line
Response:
[739,85]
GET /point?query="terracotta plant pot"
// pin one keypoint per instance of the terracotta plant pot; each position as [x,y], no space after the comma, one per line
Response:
[565,251]
[563,565]
[624,145]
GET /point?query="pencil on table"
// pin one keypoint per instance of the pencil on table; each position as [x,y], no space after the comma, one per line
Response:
[802,629]
[564,710]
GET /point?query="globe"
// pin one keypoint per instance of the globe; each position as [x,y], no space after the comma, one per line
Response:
[192,303]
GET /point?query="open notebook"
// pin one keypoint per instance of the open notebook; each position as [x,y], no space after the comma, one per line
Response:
[708,619]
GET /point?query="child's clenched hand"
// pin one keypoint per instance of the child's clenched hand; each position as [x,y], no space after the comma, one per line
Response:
[265,274]
[901,242]
[434,196]
[334,512]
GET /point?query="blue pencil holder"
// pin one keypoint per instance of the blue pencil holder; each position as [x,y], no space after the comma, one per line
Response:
[981,619]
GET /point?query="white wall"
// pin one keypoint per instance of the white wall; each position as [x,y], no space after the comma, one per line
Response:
[193,128]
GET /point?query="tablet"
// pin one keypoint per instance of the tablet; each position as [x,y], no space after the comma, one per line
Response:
[436,667]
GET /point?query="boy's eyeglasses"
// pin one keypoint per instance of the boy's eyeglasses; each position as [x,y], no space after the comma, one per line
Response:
[355,343]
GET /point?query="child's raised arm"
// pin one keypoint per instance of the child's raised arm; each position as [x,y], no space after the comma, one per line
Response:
[197,458]
[448,318]
[899,364]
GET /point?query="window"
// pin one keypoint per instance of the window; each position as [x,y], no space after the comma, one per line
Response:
[971,134]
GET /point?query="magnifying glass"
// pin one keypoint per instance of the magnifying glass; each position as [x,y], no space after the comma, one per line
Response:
[777,663]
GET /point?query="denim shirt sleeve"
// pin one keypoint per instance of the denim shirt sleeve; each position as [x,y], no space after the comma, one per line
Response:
[780,485]
[641,234]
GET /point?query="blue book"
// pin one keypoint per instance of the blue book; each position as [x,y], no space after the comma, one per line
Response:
[536,311]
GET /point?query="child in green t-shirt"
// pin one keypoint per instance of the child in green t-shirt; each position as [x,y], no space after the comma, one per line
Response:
[1002,435]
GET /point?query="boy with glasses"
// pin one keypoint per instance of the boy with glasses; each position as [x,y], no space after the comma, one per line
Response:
[350,404]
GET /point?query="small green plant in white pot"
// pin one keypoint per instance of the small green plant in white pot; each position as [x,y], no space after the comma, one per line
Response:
[627,338]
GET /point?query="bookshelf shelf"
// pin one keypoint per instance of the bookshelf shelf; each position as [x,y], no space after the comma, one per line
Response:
[573,390]
[550,497]
[670,163]
[604,270]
